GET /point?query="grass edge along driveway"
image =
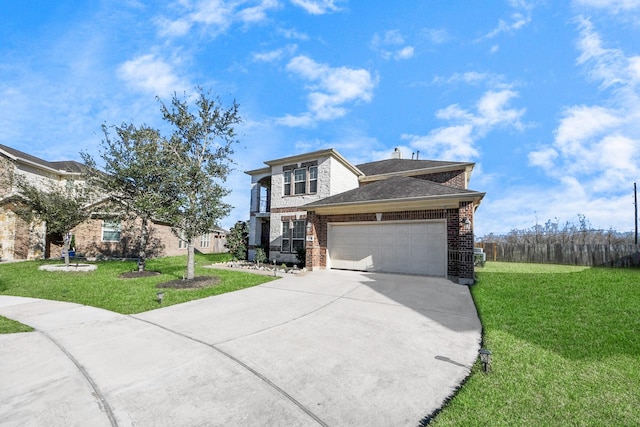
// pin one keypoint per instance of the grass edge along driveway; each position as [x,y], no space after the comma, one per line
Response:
[566,348]
[104,289]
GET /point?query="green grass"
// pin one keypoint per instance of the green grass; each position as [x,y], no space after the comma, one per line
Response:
[566,348]
[8,326]
[103,288]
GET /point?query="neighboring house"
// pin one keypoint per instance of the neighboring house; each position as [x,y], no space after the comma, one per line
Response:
[395,215]
[103,235]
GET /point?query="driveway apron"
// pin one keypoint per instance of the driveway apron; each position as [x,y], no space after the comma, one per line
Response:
[324,348]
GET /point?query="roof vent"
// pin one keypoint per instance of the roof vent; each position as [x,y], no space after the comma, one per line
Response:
[397,154]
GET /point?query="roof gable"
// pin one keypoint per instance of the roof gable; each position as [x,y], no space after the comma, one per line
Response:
[307,156]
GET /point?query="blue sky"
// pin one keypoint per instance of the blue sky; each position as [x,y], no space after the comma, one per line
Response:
[544,96]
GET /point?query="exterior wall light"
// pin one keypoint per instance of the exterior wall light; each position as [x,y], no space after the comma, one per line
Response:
[485,359]
[466,222]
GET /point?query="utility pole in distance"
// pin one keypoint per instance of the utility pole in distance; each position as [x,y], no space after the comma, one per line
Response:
[635,202]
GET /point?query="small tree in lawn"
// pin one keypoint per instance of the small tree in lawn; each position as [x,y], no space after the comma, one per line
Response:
[238,240]
[199,151]
[61,208]
[133,175]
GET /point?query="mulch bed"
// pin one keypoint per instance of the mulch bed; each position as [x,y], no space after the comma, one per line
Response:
[195,283]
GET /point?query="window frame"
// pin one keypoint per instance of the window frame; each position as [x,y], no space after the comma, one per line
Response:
[115,227]
[182,242]
[297,182]
[298,235]
[205,240]
[313,179]
[286,237]
[287,183]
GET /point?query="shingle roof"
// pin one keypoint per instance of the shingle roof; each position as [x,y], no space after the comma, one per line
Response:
[65,165]
[397,187]
[403,165]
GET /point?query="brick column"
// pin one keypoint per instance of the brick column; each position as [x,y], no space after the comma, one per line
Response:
[465,244]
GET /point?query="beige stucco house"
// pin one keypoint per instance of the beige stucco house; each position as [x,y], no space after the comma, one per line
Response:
[394,215]
[103,235]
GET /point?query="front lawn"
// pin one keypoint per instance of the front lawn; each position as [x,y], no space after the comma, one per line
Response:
[566,349]
[103,288]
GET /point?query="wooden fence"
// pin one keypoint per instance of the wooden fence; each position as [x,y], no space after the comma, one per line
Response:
[588,255]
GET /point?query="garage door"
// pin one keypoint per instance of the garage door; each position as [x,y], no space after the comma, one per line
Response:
[417,247]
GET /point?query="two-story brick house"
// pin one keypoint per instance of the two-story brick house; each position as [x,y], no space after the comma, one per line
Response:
[395,215]
[103,234]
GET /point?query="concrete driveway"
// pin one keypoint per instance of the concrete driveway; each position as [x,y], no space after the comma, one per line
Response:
[328,348]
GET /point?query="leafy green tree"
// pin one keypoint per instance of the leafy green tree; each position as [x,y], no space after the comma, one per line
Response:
[238,240]
[133,174]
[61,208]
[199,151]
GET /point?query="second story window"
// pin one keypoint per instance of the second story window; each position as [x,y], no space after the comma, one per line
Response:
[313,179]
[300,181]
[304,178]
[287,183]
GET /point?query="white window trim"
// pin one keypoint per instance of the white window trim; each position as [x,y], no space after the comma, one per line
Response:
[115,227]
[313,179]
[182,242]
[287,174]
[302,181]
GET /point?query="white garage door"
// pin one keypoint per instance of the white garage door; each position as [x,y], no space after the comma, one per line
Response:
[416,247]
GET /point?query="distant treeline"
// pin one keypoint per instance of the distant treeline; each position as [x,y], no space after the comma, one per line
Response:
[552,232]
[575,244]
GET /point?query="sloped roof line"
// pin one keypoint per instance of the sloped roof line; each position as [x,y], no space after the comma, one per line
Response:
[390,166]
[394,188]
[64,166]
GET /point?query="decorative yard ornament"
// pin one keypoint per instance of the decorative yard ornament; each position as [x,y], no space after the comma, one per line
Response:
[485,359]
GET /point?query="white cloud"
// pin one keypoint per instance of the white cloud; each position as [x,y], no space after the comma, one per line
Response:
[391,44]
[451,143]
[613,6]
[518,19]
[581,123]
[152,75]
[318,7]
[435,36]
[610,66]
[458,140]
[599,145]
[473,78]
[543,158]
[404,53]
[330,90]
[217,16]
[290,33]
[274,55]
[257,13]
